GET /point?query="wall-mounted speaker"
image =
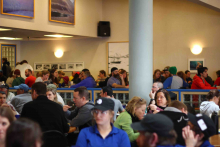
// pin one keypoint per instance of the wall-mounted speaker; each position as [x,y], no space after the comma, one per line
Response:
[104,29]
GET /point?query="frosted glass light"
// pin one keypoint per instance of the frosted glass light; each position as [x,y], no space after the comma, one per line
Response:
[196,50]
[58,53]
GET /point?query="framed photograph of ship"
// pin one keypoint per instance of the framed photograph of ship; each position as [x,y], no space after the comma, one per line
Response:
[118,55]
[62,11]
[21,8]
[194,63]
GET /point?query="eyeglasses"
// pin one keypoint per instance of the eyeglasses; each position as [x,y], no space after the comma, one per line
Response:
[99,112]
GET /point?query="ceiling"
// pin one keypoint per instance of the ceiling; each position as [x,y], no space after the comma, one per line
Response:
[27,35]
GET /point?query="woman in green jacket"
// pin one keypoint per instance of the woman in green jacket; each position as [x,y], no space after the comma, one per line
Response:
[135,111]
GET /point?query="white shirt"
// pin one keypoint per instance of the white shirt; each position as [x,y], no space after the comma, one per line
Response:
[10,96]
[60,99]
[208,107]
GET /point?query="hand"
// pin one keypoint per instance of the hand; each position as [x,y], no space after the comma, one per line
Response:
[152,94]
[126,86]
[5,105]
[156,111]
[72,129]
[153,107]
[66,107]
[189,137]
[121,76]
[218,87]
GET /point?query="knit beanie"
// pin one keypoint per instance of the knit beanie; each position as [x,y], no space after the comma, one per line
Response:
[173,70]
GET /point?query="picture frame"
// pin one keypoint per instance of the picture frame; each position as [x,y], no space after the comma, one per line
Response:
[65,13]
[21,8]
[193,63]
[64,66]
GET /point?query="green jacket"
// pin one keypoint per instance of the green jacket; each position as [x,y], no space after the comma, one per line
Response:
[17,81]
[124,122]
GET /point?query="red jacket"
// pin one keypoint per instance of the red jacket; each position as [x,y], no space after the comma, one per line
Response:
[198,83]
[217,82]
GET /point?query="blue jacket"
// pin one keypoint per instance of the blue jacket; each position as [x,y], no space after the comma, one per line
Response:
[89,82]
[174,84]
[90,137]
[206,144]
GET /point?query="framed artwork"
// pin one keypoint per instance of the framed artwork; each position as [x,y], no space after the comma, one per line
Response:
[118,55]
[21,8]
[9,51]
[69,66]
[194,63]
[62,11]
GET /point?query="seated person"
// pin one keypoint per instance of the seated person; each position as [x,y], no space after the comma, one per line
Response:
[124,75]
[88,81]
[18,79]
[44,77]
[3,103]
[52,94]
[174,82]
[23,96]
[156,130]
[188,78]
[135,111]
[217,82]
[101,76]
[76,78]
[177,112]
[30,80]
[162,100]
[9,95]
[63,79]
[103,133]
[72,76]
[200,129]
[48,114]
[114,80]
[210,106]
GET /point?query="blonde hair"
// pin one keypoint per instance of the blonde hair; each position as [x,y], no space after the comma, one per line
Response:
[135,102]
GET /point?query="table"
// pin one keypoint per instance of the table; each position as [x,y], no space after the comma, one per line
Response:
[215,140]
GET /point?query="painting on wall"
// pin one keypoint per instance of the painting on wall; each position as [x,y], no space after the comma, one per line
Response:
[118,55]
[193,64]
[62,11]
[22,8]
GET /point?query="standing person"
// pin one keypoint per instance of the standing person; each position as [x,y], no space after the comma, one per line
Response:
[6,118]
[10,79]
[217,82]
[114,81]
[108,93]
[103,133]
[23,96]
[3,78]
[18,79]
[135,111]
[54,77]
[44,78]
[210,106]
[30,80]
[6,67]
[9,95]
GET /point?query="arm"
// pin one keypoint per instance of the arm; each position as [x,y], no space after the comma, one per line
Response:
[185,84]
[117,86]
[82,83]
[121,109]
[201,85]
[70,114]
[122,80]
[217,82]
[81,140]
[168,82]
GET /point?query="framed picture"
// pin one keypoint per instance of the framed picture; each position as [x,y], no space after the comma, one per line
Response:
[70,66]
[21,8]
[62,66]
[54,66]
[38,67]
[194,63]
[62,11]
[47,66]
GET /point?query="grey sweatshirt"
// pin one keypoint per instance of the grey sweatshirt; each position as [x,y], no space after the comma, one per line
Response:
[208,107]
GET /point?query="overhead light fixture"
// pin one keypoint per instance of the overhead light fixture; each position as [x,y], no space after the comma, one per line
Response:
[3,29]
[10,38]
[58,36]
[58,53]
[196,49]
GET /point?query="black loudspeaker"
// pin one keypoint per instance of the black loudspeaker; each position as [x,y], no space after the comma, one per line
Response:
[104,29]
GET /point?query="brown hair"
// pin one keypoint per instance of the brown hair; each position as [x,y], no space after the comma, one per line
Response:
[181,75]
[154,75]
[218,73]
[166,94]
[135,102]
[177,104]
[6,112]
[212,94]
[44,72]
[39,74]
[61,72]
[103,72]
[125,79]
[52,77]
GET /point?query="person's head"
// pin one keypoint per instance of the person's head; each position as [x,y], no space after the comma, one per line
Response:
[198,65]
[17,73]
[173,70]
[80,96]
[213,95]
[4,60]
[218,73]
[45,74]
[102,74]
[103,111]
[202,72]
[155,129]
[28,72]
[6,118]
[22,88]
[123,72]
[166,72]
[61,74]
[76,76]
[38,89]
[73,73]
[156,86]
[52,92]
[179,105]
[38,74]
[106,92]
[86,74]
[201,125]
[2,98]
[4,88]
[137,106]
[24,133]
[156,74]
[187,72]
[181,75]
[114,72]
[54,73]
[162,98]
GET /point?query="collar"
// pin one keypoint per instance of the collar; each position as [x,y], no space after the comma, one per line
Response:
[41,97]
[95,130]
[172,109]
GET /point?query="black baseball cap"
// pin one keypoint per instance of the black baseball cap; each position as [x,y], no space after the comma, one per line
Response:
[165,69]
[104,104]
[4,86]
[204,123]
[158,123]
[113,69]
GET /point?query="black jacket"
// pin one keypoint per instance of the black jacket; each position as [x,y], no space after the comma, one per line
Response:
[6,68]
[48,114]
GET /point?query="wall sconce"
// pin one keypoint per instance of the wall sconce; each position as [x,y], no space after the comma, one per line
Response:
[58,53]
[196,49]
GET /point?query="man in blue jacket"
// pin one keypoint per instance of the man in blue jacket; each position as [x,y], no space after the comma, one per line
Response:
[88,81]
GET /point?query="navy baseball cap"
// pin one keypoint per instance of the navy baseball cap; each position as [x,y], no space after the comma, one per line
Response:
[22,87]
[104,104]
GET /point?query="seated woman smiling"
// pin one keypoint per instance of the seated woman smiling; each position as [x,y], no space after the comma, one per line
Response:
[103,133]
